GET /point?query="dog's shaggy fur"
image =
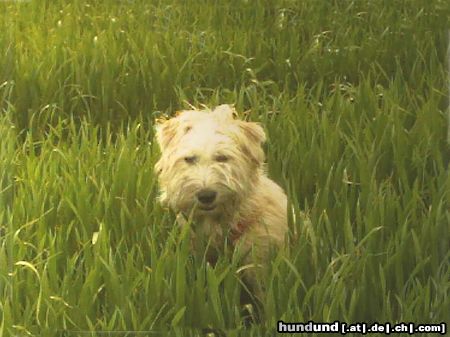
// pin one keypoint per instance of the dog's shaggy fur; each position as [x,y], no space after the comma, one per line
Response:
[212,167]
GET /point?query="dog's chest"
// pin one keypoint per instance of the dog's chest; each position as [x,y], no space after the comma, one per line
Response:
[210,232]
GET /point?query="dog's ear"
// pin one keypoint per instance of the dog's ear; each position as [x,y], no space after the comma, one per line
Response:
[253,131]
[225,112]
[254,139]
[166,130]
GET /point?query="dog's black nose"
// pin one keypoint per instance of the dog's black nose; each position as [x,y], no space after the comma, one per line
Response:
[206,196]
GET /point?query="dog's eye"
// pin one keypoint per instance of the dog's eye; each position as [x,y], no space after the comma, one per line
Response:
[221,158]
[190,159]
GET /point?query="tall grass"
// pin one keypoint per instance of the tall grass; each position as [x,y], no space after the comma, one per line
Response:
[352,96]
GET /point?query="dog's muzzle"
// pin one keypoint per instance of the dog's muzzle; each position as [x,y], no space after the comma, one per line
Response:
[206,198]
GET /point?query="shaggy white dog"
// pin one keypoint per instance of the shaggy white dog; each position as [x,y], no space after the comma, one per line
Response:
[212,168]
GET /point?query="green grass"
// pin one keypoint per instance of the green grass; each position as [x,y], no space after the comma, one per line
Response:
[352,95]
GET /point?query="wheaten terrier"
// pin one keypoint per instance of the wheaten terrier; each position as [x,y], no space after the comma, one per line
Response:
[212,170]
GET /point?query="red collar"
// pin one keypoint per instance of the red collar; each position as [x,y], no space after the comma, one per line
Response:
[237,231]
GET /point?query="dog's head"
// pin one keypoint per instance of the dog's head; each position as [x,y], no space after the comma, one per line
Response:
[210,160]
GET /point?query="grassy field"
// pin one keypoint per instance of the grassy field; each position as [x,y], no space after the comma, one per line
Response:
[353,96]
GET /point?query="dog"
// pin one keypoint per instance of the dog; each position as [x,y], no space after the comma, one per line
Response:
[212,170]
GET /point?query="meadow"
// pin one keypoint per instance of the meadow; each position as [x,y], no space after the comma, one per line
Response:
[353,97]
